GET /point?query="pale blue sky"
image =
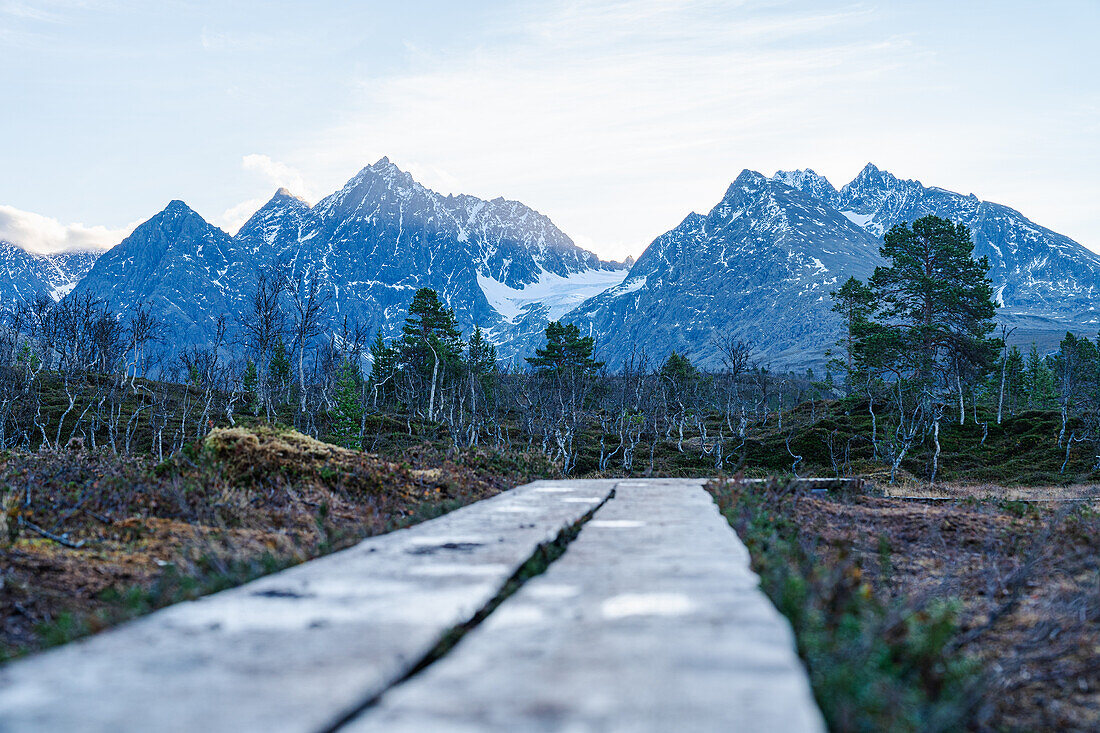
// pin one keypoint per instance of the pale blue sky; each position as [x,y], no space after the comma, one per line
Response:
[613,118]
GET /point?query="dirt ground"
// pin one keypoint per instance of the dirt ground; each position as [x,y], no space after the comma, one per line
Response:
[1027,575]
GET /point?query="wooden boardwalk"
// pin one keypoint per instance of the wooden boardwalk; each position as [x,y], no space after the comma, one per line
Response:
[649,620]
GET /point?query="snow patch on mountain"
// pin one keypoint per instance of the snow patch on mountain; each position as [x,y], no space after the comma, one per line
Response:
[29,274]
[559,294]
[860,220]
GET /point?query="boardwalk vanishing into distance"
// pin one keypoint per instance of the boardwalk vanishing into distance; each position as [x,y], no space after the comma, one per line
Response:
[590,605]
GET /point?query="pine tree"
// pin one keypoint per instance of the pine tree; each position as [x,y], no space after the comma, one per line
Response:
[430,341]
[279,368]
[348,413]
[679,370]
[385,360]
[567,353]
[481,355]
[1014,378]
[430,333]
[1077,369]
[1039,382]
[481,366]
[937,299]
[855,302]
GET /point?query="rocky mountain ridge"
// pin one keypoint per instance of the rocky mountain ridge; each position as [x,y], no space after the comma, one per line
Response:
[758,267]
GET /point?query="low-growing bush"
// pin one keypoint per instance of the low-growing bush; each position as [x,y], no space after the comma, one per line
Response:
[875,663]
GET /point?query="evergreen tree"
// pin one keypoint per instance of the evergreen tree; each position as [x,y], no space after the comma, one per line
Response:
[855,302]
[348,413]
[567,353]
[481,366]
[431,344]
[481,355]
[1039,382]
[430,335]
[1014,379]
[936,299]
[384,363]
[1077,369]
[279,368]
[679,370]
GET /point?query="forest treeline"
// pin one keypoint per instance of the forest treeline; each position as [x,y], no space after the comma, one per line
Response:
[920,349]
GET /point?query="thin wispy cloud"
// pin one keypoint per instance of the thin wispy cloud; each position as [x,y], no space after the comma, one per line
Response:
[278,175]
[614,119]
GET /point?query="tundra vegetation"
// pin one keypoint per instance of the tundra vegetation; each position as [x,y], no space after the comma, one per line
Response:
[136,475]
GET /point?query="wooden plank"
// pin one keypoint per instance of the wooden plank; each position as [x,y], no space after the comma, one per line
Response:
[650,621]
[297,650]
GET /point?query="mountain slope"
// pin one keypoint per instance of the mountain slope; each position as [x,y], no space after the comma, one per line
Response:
[758,267]
[1036,272]
[30,273]
[500,264]
[184,270]
[761,265]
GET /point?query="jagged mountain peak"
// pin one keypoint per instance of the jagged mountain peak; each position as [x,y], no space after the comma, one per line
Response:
[367,189]
[283,199]
[874,177]
[176,264]
[745,188]
[276,226]
[762,263]
[807,180]
[384,167]
[284,194]
[176,206]
[760,267]
[1036,273]
[173,219]
[499,263]
[747,179]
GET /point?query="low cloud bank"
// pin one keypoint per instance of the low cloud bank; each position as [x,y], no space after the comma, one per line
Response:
[39,233]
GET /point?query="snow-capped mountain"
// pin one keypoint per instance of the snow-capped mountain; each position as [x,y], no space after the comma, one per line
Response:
[184,270]
[31,273]
[1045,282]
[759,267]
[762,263]
[278,228]
[500,264]
[1035,271]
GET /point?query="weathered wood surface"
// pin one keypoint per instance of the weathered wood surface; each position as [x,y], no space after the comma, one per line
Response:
[650,620]
[296,650]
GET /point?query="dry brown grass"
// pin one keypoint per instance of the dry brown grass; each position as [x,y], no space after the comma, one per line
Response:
[984,491]
[1027,576]
[239,496]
